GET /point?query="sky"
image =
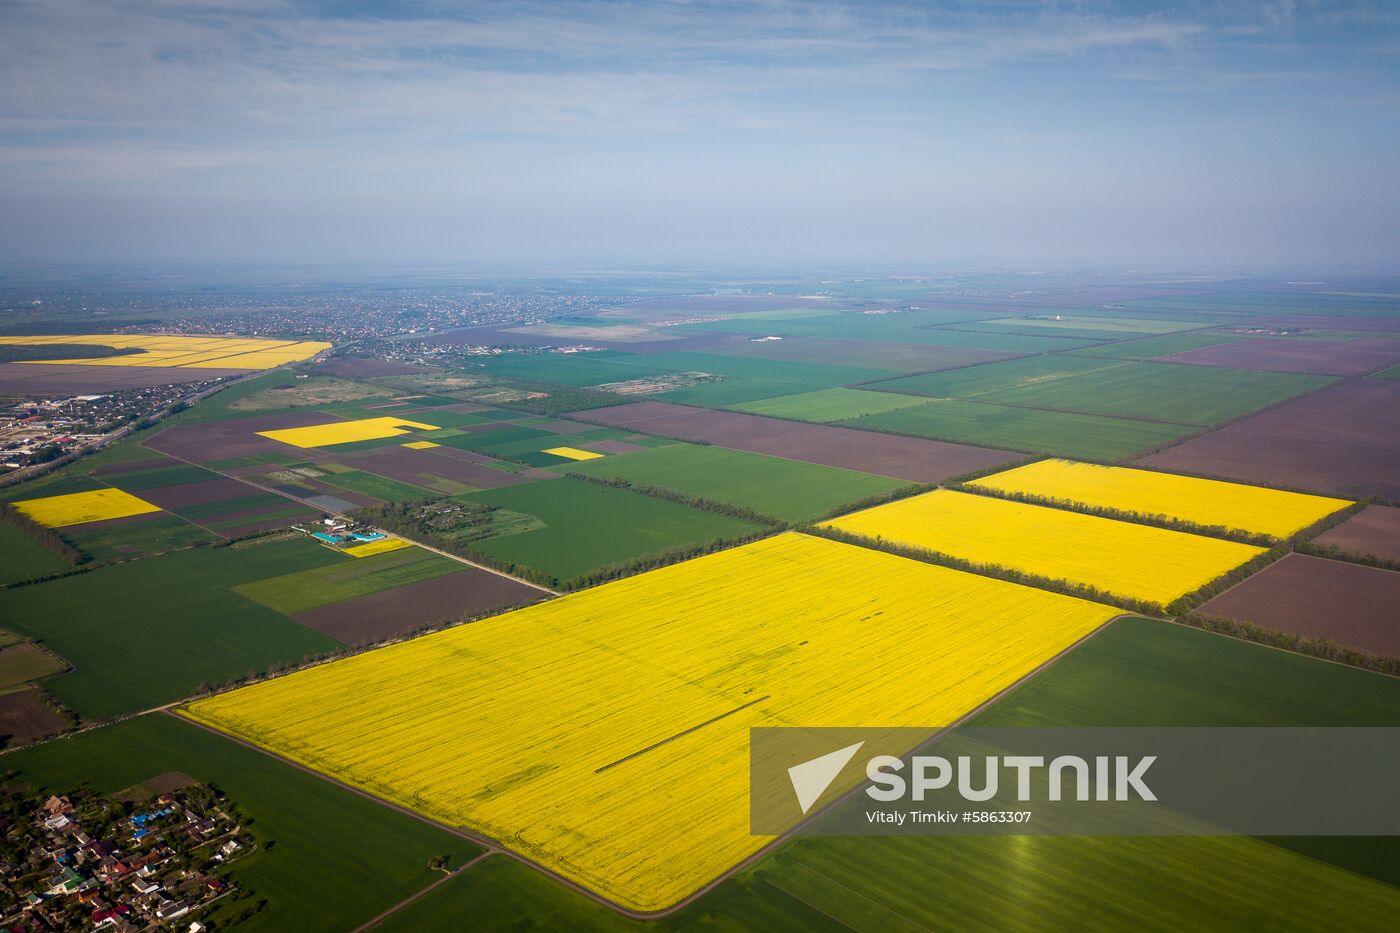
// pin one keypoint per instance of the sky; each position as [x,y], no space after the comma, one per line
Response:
[1205,134]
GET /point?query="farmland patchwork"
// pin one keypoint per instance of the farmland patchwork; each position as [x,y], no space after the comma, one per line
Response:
[605,734]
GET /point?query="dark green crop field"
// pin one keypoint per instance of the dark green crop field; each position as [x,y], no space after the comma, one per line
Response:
[588,526]
[1066,434]
[1160,391]
[25,559]
[789,490]
[147,632]
[828,405]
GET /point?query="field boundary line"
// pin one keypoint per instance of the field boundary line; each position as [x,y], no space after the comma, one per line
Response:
[1263,644]
[424,892]
[485,842]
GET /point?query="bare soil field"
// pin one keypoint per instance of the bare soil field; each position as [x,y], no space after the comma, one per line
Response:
[154,463]
[1288,355]
[39,379]
[1318,598]
[355,367]
[25,716]
[1375,530]
[915,459]
[26,662]
[166,782]
[409,466]
[236,437]
[1341,440]
[323,490]
[201,493]
[394,612]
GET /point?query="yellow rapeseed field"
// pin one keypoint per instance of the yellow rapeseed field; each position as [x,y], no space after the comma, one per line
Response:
[78,507]
[604,734]
[573,453]
[181,352]
[383,545]
[1127,559]
[420,445]
[1186,498]
[345,432]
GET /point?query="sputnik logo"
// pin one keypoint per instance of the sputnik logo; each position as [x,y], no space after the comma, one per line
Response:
[810,779]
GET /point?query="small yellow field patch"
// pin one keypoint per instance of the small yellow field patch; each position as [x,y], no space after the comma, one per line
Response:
[346,432]
[1206,502]
[420,445]
[605,734]
[173,350]
[1124,558]
[573,453]
[78,507]
[381,546]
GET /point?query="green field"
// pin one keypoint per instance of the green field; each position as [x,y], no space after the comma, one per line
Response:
[1152,347]
[829,405]
[127,450]
[525,444]
[1064,434]
[868,354]
[55,484]
[346,578]
[1135,672]
[1003,376]
[25,558]
[588,526]
[326,858]
[740,378]
[788,490]
[120,540]
[380,487]
[1071,322]
[1200,395]
[910,327]
[147,632]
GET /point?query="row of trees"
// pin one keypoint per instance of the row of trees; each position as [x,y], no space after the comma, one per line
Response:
[671,495]
[42,535]
[1125,515]
[1316,647]
[996,571]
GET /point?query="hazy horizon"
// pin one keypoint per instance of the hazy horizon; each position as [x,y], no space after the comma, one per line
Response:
[1092,134]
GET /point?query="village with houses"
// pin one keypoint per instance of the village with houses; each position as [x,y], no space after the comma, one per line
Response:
[88,861]
[45,427]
